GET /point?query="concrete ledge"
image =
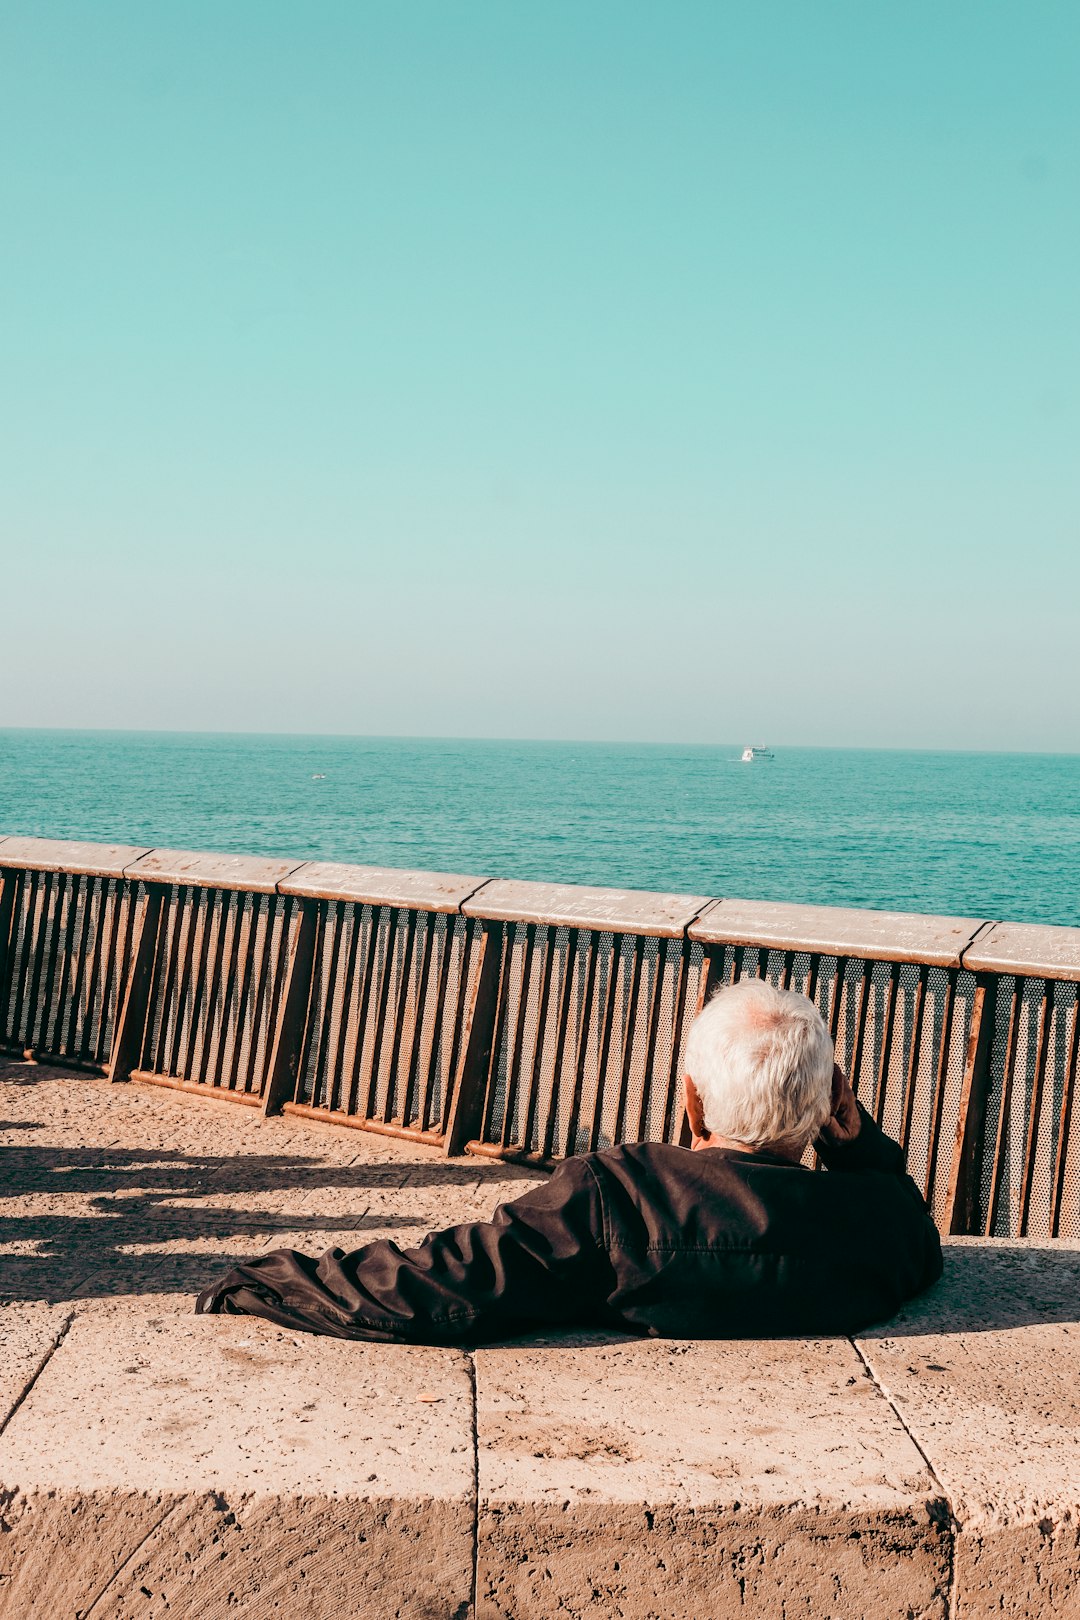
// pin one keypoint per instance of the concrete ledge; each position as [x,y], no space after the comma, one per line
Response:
[700,1479]
[985,1373]
[67,855]
[572,905]
[1026,948]
[381,886]
[256,874]
[196,1467]
[885,936]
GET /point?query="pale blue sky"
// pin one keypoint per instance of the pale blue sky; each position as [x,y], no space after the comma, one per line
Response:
[663,371]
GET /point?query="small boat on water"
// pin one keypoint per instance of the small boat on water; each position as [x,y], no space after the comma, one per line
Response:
[758,751]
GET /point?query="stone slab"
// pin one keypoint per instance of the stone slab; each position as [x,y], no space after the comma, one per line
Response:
[985,1372]
[693,1480]
[197,1466]
[1027,948]
[29,1335]
[890,936]
[381,886]
[69,855]
[257,874]
[572,905]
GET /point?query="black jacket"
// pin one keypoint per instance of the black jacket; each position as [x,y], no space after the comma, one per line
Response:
[648,1238]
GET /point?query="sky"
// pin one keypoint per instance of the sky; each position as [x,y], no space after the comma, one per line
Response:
[576,368]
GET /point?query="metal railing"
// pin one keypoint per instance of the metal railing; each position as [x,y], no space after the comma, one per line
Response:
[529,1021]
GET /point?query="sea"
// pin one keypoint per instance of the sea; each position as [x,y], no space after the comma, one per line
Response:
[967,834]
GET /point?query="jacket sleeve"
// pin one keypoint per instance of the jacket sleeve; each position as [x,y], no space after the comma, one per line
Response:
[873,1150]
[540,1259]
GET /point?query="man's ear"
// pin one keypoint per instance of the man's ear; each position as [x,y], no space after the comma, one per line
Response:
[695,1114]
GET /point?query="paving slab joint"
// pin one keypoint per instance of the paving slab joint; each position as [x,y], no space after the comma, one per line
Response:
[474,1429]
[954,1522]
[58,1340]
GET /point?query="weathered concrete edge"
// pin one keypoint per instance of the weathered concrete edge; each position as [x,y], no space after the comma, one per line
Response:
[482,1511]
[976,944]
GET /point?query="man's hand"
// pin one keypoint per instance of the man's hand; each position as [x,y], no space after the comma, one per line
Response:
[843,1124]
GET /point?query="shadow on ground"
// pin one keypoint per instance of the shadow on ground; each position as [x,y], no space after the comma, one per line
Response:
[78,1223]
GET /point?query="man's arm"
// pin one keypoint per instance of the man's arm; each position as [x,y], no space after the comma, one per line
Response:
[852,1140]
[540,1259]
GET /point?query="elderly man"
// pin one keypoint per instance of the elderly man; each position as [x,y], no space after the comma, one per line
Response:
[732,1237]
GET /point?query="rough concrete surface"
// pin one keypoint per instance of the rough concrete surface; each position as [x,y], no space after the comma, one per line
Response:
[154,1464]
[985,1372]
[29,1335]
[203,1466]
[682,1479]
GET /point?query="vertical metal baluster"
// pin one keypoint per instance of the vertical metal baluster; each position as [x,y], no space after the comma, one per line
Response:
[581,1056]
[189,903]
[1006,1099]
[352,921]
[214,901]
[75,1015]
[411,1087]
[604,1054]
[513,1070]
[222,992]
[235,1016]
[42,1006]
[628,1044]
[565,995]
[655,1002]
[380,1018]
[449,922]
[1042,1042]
[323,1079]
[369,972]
[536,1062]
[71,911]
[682,973]
[912,1067]
[264,945]
[860,1028]
[40,888]
[938,1103]
[1065,1125]
[885,1057]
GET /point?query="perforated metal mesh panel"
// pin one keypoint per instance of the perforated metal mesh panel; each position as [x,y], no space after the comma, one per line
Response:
[1030,1171]
[219,964]
[388,1014]
[589,1035]
[69,950]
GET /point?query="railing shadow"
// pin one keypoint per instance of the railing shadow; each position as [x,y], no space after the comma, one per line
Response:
[993,1286]
[87,1222]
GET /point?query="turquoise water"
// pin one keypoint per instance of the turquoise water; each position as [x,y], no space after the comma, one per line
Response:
[986,835]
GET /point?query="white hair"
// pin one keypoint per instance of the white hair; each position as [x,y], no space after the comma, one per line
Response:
[761,1061]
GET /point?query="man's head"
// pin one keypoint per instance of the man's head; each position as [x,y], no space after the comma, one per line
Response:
[759,1068]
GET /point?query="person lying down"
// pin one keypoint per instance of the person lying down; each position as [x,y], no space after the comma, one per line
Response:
[732,1237]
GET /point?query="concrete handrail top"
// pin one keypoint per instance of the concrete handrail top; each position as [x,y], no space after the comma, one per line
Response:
[1025,948]
[256,874]
[570,905]
[381,885]
[892,936]
[69,855]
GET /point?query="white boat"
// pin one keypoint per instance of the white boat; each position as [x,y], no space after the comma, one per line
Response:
[756,752]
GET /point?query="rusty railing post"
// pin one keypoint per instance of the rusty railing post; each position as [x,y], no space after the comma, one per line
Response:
[962,1194]
[284,1065]
[135,998]
[467,1106]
